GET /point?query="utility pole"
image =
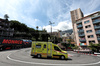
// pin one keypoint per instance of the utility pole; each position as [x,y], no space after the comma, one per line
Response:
[50,23]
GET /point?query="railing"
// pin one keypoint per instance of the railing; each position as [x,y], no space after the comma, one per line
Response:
[78,22]
[81,35]
[81,30]
[98,38]
[9,29]
[96,27]
[96,21]
[97,32]
[95,17]
[79,26]
[82,40]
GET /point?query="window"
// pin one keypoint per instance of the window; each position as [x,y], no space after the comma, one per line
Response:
[90,36]
[92,41]
[38,46]
[56,48]
[88,26]
[86,22]
[44,46]
[89,31]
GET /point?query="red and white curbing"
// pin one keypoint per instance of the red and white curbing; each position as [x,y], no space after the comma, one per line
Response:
[70,55]
[88,54]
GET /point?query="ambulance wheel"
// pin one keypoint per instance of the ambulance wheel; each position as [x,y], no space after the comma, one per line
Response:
[62,57]
[39,56]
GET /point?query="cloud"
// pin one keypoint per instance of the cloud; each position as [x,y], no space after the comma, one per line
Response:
[64,25]
[87,6]
[38,13]
[20,10]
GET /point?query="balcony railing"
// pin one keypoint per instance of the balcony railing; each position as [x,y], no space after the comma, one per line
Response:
[96,27]
[78,22]
[97,32]
[9,29]
[96,21]
[95,17]
[98,38]
[81,35]
[81,31]
[82,40]
[79,26]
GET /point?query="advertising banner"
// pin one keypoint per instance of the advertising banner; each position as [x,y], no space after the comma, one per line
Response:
[83,44]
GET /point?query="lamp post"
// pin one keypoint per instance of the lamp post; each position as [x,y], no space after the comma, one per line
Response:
[50,23]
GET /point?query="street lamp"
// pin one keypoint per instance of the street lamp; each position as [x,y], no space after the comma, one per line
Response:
[50,23]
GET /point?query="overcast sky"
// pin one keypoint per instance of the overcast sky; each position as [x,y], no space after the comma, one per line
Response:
[39,12]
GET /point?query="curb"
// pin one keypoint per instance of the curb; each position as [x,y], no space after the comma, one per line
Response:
[70,55]
[87,54]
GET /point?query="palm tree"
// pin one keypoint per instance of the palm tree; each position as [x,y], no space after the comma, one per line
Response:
[37,27]
[6,16]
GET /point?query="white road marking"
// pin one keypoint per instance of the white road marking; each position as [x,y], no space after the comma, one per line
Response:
[48,63]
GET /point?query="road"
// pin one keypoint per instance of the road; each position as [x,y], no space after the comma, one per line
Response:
[21,57]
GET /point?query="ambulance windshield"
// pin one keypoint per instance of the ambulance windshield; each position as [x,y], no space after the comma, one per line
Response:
[56,48]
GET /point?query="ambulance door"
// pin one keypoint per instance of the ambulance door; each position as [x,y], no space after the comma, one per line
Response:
[33,49]
[49,50]
[56,52]
[44,50]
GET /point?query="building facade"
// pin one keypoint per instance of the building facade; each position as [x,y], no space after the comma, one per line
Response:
[5,30]
[67,34]
[87,30]
[75,15]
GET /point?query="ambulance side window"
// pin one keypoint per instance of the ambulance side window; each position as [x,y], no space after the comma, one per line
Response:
[56,48]
[44,46]
[38,46]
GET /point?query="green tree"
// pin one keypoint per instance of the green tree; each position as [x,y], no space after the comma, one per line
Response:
[75,47]
[94,47]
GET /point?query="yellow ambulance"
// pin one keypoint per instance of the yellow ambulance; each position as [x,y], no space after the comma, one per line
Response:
[47,49]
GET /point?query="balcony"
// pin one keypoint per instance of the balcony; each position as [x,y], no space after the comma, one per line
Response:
[79,26]
[97,27]
[96,21]
[95,17]
[80,31]
[82,40]
[98,32]
[9,29]
[81,35]
[78,22]
[98,38]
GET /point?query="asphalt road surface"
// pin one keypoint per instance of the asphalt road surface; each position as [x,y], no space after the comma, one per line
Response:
[21,57]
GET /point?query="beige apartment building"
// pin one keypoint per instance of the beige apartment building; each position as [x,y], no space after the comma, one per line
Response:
[86,29]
